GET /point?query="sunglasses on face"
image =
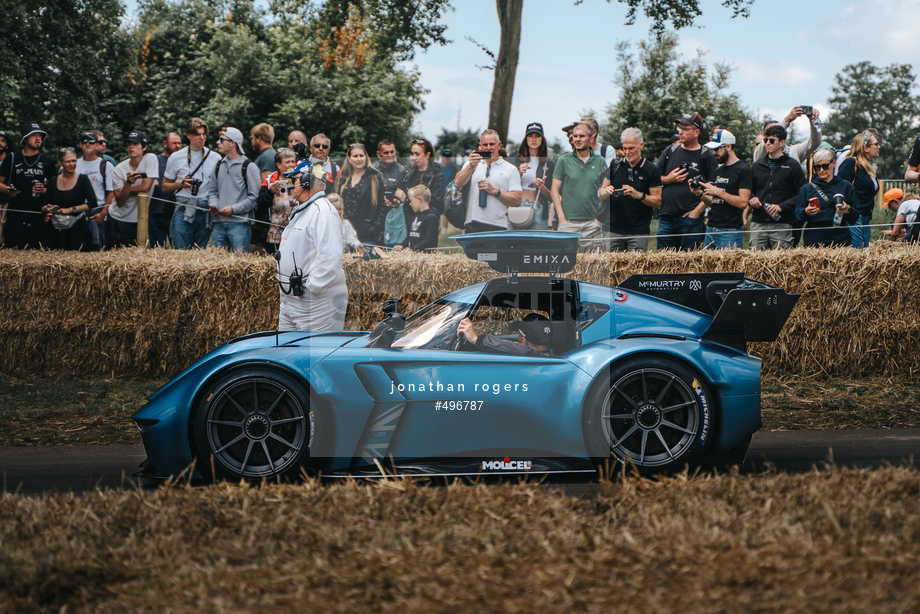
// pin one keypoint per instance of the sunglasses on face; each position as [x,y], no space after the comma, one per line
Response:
[222,139]
[321,146]
[824,167]
[101,141]
[771,140]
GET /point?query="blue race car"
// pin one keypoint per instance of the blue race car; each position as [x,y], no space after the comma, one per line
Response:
[653,374]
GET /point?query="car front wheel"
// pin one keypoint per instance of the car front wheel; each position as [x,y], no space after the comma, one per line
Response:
[254,424]
[653,414]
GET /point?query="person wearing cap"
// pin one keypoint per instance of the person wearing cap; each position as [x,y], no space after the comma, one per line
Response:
[816,205]
[232,194]
[727,196]
[680,217]
[447,165]
[634,189]
[24,178]
[100,172]
[311,249]
[131,177]
[891,201]
[905,227]
[777,180]
[534,337]
[495,185]
[576,183]
[188,175]
[799,151]
[536,169]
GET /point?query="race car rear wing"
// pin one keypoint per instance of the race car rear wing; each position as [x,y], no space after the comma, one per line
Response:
[743,310]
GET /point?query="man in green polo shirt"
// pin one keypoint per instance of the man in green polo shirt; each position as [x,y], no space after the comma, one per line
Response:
[577,178]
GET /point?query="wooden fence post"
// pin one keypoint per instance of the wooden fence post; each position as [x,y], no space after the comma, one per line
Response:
[143,217]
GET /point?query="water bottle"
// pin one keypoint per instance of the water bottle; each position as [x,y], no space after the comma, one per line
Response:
[838,215]
[775,216]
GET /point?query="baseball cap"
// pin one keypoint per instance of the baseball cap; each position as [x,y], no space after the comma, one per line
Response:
[569,127]
[534,128]
[88,136]
[234,135]
[136,136]
[535,328]
[447,153]
[691,119]
[890,195]
[30,128]
[720,138]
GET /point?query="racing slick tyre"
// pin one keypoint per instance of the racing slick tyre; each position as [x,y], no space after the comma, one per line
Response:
[254,424]
[653,414]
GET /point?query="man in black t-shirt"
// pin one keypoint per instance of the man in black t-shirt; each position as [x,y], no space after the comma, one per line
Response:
[25,177]
[912,175]
[634,188]
[680,218]
[727,196]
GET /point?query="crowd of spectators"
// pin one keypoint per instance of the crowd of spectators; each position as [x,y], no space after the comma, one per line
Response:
[702,193]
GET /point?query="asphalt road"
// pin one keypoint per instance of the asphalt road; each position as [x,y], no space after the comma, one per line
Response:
[34,471]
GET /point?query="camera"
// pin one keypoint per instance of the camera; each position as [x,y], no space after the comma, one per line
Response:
[389,188]
[697,182]
[807,109]
[618,192]
[196,185]
[301,151]
[284,185]
[484,154]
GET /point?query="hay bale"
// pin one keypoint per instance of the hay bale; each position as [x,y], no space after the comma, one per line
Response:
[151,313]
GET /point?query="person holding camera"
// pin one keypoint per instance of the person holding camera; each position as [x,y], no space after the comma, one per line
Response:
[275,200]
[680,218]
[778,177]
[361,188]
[24,177]
[188,174]
[634,189]
[824,206]
[130,178]
[727,196]
[495,185]
[799,151]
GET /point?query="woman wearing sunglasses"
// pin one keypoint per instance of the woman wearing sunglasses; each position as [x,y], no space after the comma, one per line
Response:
[858,170]
[817,206]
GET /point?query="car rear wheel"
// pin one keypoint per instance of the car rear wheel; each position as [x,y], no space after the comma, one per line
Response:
[254,424]
[652,413]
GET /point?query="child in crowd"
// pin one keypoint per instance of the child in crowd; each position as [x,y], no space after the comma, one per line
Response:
[423,229]
[349,235]
[905,207]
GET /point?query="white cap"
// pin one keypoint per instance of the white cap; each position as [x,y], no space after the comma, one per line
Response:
[234,135]
[720,138]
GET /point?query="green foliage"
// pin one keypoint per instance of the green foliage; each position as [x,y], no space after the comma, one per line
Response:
[867,96]
[56,68]
[677,13]
[458,141]
[660,86]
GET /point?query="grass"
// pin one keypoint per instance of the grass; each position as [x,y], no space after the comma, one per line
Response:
[835,540]
[97,411]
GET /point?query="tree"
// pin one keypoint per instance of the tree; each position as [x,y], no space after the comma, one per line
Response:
[868,96]
[661,87]
[56,65]
[679,13]
[458,141]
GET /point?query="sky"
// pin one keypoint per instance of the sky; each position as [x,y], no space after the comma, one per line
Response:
[785,54]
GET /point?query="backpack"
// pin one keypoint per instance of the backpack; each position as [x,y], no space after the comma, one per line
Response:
[455,205]
[394,231]
[246,164]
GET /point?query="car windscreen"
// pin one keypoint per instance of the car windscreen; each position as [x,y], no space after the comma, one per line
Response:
[434,327]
